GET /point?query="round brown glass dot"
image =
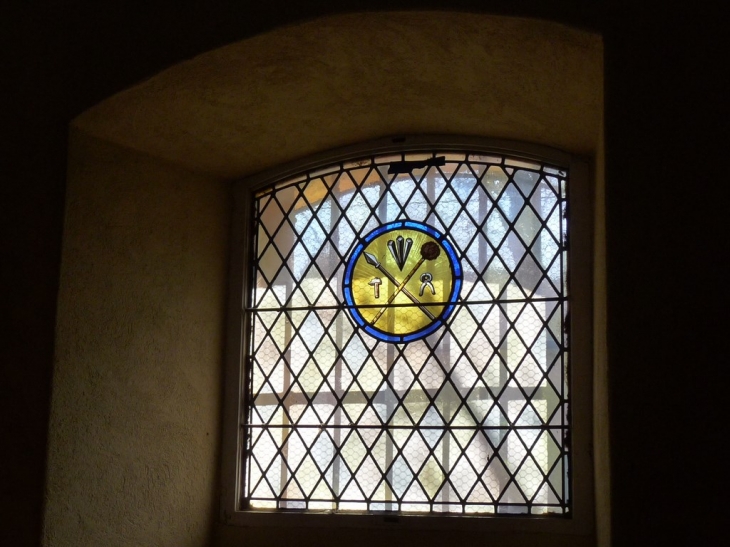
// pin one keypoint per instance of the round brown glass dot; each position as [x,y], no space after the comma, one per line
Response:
[430,250]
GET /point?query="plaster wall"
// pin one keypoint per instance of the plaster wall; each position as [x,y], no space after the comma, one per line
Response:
[341,80]
[134,430]
[229,536]
[601,422]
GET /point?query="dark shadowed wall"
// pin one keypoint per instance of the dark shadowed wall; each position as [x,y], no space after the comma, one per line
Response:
[665,121]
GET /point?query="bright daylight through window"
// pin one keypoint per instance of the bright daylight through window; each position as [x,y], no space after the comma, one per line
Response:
[405,338]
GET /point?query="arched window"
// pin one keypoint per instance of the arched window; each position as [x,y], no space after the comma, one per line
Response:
[405,330]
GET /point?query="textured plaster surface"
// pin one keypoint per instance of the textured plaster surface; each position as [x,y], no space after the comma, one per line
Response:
[230,536]
[134,432]
[345,79]
[601,447]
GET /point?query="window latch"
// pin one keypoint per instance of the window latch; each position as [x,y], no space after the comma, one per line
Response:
[398,167]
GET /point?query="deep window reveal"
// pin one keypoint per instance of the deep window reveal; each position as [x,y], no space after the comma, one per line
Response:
[473,416]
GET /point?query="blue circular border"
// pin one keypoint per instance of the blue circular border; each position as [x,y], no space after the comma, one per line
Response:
[440,319]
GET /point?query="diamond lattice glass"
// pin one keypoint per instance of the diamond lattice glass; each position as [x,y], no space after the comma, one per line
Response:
[464,410]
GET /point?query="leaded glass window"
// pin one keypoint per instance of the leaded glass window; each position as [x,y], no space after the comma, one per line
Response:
[406,338]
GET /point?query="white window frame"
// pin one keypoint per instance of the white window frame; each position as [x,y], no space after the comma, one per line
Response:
[580,259]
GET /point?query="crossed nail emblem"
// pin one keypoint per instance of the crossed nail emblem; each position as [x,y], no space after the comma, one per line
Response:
[429,251]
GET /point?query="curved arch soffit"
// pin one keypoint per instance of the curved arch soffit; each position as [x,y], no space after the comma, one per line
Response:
[345,79]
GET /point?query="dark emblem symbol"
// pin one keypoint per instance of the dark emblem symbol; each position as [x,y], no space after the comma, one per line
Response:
[400,249]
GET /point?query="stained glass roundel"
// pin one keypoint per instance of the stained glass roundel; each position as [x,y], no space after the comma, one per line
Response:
[402,281]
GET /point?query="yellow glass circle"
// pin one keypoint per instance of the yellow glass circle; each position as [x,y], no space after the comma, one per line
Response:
[398,285]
